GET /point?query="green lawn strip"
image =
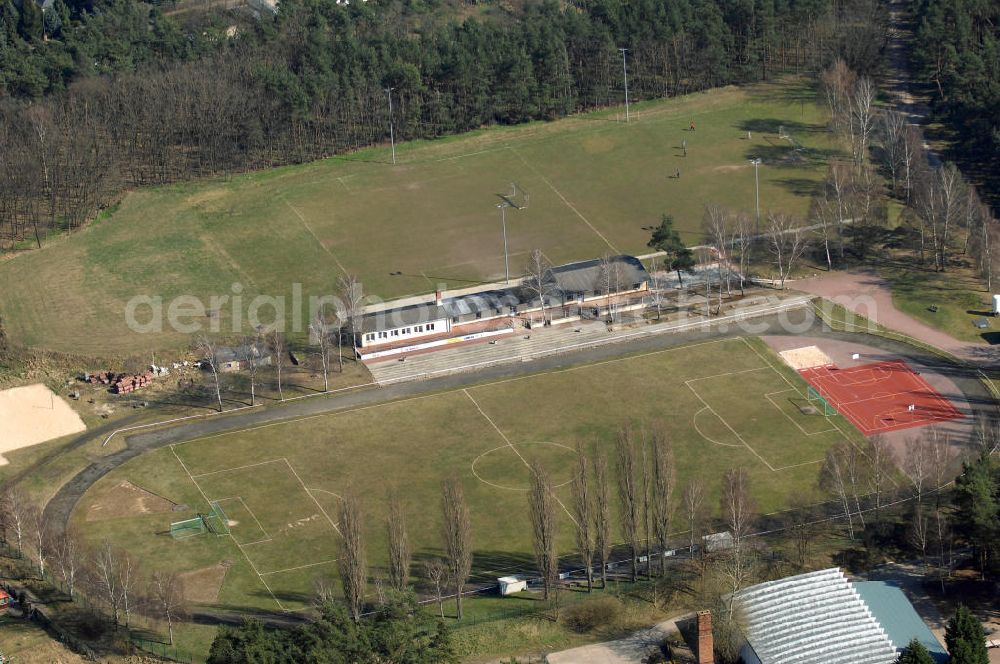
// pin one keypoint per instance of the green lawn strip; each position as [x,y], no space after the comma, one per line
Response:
[958,294]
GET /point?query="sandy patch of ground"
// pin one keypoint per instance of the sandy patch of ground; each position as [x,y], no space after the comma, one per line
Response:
[805,357]
[127,499]
[202,586]
[34,414]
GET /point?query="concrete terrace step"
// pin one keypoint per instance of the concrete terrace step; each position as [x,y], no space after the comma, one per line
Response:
[525,346]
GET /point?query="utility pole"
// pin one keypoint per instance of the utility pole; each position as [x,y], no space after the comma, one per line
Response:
[503,222]
[756,177]
[392,137]
[625,71]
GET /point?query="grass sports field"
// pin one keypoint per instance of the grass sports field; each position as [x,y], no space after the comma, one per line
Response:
[595,184]
[725,403]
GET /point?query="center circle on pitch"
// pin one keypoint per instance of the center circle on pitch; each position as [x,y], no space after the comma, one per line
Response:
[504,468]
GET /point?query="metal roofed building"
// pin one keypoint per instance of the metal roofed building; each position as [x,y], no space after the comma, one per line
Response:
[814,618]
[898,618]
[572,285]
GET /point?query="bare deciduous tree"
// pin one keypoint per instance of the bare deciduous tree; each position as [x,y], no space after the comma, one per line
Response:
[321,330]
[436,571]
[352,563]
[862,102]
[209,352]
[105,575]
[457,538]
[279,348]
[583,510]
[542,508]
[917,464]
[249,355]
[787,241]
[738,513]
[693,499]
[128,578]
[352,310]
[663,490]
[882,462]
[628,492]
[16,511]
[539,280]
[835,478]
[40,536]
[399,545]
[166,594]
[67,555]
[602,515]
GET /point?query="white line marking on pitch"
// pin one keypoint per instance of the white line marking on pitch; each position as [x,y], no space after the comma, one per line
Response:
[315,237]
[564,200]
[313,498]
[292,569]
[229,470]
[507,440]
[238,545]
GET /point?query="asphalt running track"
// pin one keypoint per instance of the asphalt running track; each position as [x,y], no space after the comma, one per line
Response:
[881,396]
[60,507]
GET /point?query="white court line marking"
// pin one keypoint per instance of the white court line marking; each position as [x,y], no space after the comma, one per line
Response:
[315,237]
[267,536]
[564,200]
[313,498]
[728,426]
[229,470]
[238,545]
[525,461]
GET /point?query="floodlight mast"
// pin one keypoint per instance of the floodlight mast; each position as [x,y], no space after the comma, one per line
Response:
[506,202]
[625,71]
[756,177]
[392,137]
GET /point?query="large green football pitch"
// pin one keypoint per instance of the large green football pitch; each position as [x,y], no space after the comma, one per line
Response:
[725,403]
[594,184]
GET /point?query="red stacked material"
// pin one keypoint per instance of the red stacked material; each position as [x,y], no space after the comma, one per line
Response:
[124,383]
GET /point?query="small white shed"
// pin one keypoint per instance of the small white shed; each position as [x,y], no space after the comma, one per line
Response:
[996,305]
[511,584]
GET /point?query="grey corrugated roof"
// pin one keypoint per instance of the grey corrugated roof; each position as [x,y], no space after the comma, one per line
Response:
[585,276]
[815,618]
[897,616]
[581,277]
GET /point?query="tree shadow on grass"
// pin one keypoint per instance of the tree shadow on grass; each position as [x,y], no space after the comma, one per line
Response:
[775,125]
[800,186]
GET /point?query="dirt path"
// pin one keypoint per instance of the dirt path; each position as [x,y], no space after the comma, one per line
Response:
[866,293]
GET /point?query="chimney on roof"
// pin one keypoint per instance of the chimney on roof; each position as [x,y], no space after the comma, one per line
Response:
[438,297]
[705,654]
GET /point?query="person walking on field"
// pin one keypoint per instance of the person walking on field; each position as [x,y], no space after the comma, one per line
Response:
[692,126]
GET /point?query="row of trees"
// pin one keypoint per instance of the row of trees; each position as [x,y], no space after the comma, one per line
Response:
[312,81]
[947,211]
[105,573]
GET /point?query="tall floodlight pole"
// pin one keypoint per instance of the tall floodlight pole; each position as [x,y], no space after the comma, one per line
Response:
[503,223]
[392,137]
[625,71]
[756,178]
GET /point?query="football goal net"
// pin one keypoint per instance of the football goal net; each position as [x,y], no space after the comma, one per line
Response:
[817,399]
[187,528]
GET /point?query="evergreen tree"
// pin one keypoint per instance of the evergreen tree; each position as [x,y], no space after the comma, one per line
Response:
[679,257]
[915,653]
[30,27]
[977,499]
[965,639]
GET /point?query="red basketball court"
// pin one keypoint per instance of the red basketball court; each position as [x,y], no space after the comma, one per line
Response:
[880,397]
